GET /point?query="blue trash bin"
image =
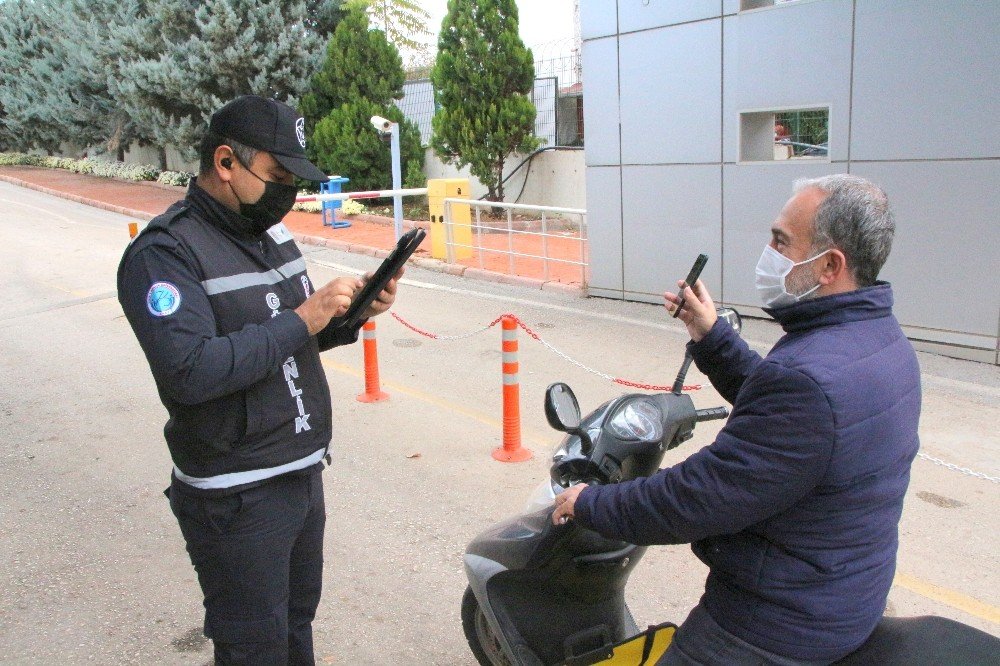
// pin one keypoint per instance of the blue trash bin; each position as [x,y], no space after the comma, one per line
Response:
[333,186]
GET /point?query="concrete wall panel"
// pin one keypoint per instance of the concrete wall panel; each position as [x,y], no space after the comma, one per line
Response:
[791,56]
[673,215]
[925,80]
[604,228]
[670,94]
[944,261]
[643,14]
[752,195]
[598,18]
[600,106]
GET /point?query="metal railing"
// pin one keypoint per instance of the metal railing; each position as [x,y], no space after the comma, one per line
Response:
[545,235]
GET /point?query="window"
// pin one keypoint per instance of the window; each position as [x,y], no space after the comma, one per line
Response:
[757,4]
[767,136]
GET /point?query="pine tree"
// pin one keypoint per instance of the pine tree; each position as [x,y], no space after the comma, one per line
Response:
[360,77]
[482,78]
[183,59]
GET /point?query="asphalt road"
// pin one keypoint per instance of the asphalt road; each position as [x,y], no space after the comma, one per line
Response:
[93,564]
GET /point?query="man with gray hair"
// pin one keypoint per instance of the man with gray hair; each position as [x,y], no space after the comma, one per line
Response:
[795,507]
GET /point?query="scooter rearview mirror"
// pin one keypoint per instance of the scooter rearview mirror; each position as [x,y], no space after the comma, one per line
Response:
[561,408]
[731,316]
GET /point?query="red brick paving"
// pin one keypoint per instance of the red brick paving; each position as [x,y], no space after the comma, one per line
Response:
[146,200]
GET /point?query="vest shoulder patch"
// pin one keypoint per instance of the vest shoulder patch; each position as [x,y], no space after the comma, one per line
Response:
[163,299]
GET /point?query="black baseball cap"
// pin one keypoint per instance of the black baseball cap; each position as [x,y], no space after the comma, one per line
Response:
[268,125]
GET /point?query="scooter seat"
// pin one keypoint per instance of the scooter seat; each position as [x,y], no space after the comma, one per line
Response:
[925,641]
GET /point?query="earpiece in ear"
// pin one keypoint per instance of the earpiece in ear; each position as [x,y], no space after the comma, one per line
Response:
[226,162]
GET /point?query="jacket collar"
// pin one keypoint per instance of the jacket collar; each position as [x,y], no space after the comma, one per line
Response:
[872,302]
[219,215]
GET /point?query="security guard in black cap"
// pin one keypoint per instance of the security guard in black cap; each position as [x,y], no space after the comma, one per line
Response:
[218,296]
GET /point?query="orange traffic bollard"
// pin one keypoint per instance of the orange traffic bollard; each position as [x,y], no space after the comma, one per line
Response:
[373,390]
[511,451]
[133,229]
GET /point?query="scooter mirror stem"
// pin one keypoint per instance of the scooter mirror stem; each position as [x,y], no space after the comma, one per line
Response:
[586,444]
[679,382]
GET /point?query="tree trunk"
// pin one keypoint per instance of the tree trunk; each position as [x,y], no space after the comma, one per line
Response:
[162,152]
[121,153]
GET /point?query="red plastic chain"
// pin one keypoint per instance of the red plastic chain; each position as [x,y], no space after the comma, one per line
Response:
[535,336]
[654,387]
[413,328]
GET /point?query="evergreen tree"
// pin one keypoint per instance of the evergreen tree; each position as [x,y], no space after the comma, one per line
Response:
[404,23]
[322,17]
[95,116]
[183,59]
[482,79]
[345,143]
[360,77]
[30,54]
[359,64]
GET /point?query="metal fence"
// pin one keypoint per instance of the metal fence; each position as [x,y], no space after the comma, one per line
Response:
[551,245]
[804,133]
[557,96]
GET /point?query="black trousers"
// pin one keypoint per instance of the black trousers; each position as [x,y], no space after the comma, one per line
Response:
[258,554]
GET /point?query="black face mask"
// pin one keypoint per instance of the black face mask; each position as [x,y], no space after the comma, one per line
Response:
[276,202]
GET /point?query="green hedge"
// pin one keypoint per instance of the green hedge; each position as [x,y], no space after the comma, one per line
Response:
[134,172]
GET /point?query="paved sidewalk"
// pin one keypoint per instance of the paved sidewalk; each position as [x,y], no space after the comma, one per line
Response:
[146,200]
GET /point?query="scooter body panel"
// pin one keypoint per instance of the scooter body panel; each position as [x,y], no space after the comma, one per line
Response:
[540,585]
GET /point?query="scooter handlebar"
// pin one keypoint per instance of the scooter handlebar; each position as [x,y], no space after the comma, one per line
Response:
[712,414]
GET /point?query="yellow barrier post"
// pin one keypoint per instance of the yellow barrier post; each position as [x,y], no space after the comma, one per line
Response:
[439,189]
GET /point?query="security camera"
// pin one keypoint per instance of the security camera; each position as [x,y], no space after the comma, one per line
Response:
[381,124]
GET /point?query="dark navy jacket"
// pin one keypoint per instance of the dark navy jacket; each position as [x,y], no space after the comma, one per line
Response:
[211,301]
[795,506]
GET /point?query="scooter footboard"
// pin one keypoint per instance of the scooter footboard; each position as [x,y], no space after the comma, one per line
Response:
[544,614]
[643,649]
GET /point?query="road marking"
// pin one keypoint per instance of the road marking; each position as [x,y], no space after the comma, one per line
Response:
[948,597]
[434,400]
[61,217]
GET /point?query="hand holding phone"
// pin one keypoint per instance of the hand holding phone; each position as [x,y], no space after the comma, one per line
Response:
[691,279]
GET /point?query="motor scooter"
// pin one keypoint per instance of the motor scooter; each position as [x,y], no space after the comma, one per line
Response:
[541,594]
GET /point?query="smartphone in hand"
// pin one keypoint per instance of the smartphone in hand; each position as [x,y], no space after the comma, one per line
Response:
[691,278]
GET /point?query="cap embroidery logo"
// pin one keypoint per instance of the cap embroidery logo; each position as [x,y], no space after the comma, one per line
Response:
[300,131]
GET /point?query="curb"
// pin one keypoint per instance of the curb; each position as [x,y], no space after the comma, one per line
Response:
[423,262]
[121,210]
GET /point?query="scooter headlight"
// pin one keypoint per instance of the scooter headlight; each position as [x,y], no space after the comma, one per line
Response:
[637,420]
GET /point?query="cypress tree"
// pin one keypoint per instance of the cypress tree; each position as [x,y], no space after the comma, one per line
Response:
[482,78]
[94,115]
[30,66]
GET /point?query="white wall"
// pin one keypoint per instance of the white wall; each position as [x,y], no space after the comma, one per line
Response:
[554,178]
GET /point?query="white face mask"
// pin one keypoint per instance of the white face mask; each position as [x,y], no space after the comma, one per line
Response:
[772,269]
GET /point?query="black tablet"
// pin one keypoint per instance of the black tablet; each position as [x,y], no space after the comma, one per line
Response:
[406,246]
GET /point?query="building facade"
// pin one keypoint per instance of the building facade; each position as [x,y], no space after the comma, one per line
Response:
[700,114]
